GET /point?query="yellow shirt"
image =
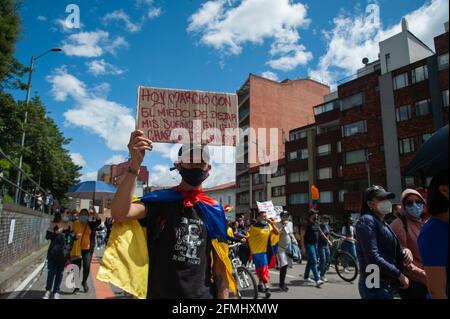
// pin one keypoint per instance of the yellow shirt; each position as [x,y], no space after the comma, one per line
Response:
[82,243]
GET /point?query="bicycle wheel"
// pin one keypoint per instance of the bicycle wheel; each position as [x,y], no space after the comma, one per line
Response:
[246,284]
[346,266]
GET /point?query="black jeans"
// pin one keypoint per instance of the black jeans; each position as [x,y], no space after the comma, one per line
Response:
[55,275]
[86,257]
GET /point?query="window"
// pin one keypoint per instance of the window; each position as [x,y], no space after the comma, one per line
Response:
[445,98]
[278,191]
[258,178]
[243,181]
[341,195]
[326,129]
[403,113]
[325,173]
[340,171]
[388,62]
[356,185]
[280,172]
[327,107]
[381,148]
[443,61]
[299,198]
[243,199]
[419,74]
[323,150]
[259,196]
[297,135]
[304,153]
[353,101]
[425,137]
[408,181]
[354,128]
[423,108]
[326,197]
[359,156]
[229,199]
[298,177]
[406,145]
[338,147]
[292,156]
[400,81]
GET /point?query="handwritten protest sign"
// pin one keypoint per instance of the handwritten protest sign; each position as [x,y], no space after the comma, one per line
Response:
[206,116]
[268,208]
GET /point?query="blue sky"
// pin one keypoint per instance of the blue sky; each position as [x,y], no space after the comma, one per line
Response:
[90,88]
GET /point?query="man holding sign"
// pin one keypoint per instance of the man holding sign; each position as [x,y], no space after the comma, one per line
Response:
[185,234]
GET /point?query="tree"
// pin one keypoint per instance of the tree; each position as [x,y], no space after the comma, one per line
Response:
[10,69]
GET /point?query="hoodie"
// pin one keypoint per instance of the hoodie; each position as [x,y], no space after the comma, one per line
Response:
[408,239]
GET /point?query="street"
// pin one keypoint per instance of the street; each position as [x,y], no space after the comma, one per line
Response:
[335,288]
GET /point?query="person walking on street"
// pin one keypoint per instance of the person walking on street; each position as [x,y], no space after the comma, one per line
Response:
[433,239]
[81,254]
[108,226]
[378,245]
[184,253]
[61,240]
[261,249]
[349,244]
[311,234]
[407,228]
[287,238]
[324,246]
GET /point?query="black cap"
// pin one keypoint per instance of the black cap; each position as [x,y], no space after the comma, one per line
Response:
[193,153]
[376,191]
[284,214]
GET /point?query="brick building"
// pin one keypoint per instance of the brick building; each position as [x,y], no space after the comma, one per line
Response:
[268,104]
[368,131]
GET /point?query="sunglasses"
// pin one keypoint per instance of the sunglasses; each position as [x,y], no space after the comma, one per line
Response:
[412,202]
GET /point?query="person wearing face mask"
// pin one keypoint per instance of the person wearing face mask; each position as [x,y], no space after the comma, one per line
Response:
[378,245]
[433,239]
[172,243]
[311,234]
[407,227]
[61,239]
[285,243]
[81,254]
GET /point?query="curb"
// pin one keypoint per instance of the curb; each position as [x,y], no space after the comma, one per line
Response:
[11,277]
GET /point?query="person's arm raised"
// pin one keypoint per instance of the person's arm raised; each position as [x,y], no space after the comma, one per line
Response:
[122,207]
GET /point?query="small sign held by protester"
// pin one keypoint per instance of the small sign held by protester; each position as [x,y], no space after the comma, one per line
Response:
[208,117]
[268,208]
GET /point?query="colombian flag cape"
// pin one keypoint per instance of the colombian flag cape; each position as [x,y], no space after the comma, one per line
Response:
[263,246]
[125,261]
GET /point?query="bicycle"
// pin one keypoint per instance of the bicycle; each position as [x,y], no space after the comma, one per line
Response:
[345,264]
[245,281]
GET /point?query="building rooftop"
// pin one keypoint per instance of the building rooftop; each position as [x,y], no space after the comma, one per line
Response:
[221,187]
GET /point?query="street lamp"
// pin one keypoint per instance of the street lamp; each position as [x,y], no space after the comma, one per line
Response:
[30,73]
[368,170]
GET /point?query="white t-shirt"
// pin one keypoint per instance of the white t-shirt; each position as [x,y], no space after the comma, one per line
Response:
[352,231]
[285,236]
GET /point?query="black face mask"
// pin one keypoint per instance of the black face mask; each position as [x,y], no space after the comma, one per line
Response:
[193,176]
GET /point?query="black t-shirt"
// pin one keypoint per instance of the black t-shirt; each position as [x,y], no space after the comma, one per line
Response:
[312,233]
[179,252]
[60,245]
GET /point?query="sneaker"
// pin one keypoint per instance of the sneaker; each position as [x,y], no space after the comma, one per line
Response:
[310,280]
[346,270]
[57,296]
[267,293]
[85,287]
[261,288]
[284,288]
[75,290]
[47,295]
[324,279]
[319,283]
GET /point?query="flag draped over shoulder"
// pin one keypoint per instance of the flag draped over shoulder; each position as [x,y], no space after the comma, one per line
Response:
[125,261]
[263,246]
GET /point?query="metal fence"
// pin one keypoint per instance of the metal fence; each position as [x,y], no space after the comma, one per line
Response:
[28,193]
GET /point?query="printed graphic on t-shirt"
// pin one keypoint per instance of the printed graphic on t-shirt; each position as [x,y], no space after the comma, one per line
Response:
[189,239]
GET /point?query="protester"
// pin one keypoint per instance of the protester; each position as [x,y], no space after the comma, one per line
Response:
[94,224]
[396,213]
[286,239]
[108,226]
[378,245]
[311,234]
[261,249]
[186,239]
[61,240]
[349,245]
[433,239]
[81,254]
[407,228]
[244,250]
[324,246]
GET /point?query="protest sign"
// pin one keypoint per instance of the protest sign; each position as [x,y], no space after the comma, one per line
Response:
[268,208]
[278,210]
[206,116]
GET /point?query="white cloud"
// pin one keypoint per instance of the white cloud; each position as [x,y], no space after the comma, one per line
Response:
[41,18]
[153,13]
[356,36]
[89,176]
[100,67]
[111,121]
[227,28]
[160,175]
[169,151]
[120,15]
[220,174]
[92,44]
[62,26]
[101,90]
[78,159]
[116,159]
[270,75]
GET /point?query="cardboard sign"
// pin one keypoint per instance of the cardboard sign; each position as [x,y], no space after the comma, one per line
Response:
[206,116]
[268,208]
[278,210]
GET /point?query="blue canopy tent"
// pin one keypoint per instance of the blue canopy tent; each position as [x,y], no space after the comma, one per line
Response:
[92,190]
